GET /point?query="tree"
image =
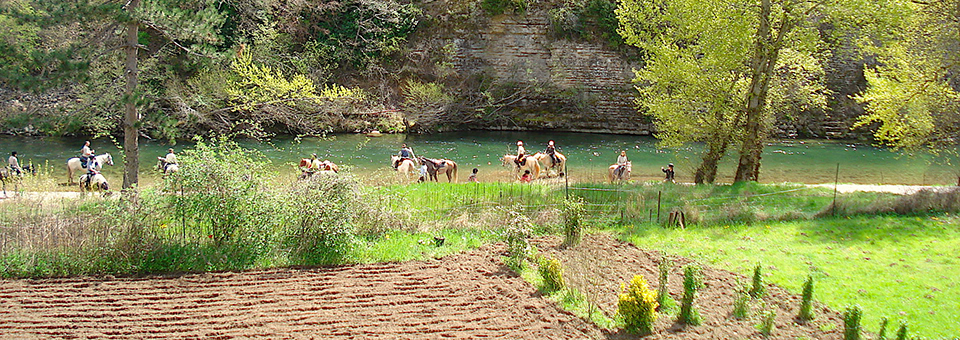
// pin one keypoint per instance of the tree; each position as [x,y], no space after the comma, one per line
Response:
[699,76]
[912,96]
[192,26]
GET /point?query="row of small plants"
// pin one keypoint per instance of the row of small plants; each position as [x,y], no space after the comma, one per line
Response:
[639,306]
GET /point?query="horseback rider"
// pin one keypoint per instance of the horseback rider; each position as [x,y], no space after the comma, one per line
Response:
[621,163]
[552,152]
[520,154]
[404,154]
[86,155]
[168,160]
[15,164]
[91,170]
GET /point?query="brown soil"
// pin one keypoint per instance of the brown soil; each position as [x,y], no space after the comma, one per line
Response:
[469,295]
[600,263]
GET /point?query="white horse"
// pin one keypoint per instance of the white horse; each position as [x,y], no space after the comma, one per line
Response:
[166,169]
[73,165]
[624,175]
[547,163]
[407,167]
[530,163]
[98,182]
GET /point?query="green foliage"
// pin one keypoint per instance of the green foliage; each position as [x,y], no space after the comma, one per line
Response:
[573,211]
[323,212]
[664,301]
[551,270]
[588,20]
[806,302]
[902,331]
[741,303]
[911,92]
[882,333]
[637,304]
[498,7]
[517,235]
[851,324]
[767,322]
[757,288]
[691,283]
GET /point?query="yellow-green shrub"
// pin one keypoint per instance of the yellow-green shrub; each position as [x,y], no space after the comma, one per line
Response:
[552,273]
[637,305]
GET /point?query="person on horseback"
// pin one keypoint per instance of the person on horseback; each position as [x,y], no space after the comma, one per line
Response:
[404,154]
[15,164]
[91,169]
[621,164]
[86,155]
[552,152]
[520,154]
[168,160]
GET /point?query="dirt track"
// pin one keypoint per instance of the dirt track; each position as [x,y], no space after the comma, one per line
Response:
[469,295]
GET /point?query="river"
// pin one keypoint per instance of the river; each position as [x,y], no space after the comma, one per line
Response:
[798,161]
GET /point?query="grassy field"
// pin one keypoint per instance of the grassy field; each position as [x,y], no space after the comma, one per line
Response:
[900,267]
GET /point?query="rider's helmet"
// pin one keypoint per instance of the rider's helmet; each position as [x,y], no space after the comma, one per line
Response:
[551,143]
[170,150]
[519,143]
[670,165]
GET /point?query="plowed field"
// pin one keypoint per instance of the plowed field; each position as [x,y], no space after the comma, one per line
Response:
[469,295]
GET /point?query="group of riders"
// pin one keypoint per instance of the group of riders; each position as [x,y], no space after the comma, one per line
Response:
[618,169]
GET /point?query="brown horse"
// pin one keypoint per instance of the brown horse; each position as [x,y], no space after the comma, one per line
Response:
[405,168]
[440,166]
[311,167]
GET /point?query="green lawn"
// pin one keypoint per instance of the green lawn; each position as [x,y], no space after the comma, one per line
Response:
[903,268]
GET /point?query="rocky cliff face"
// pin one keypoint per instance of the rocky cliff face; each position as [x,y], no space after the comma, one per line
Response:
[542,82]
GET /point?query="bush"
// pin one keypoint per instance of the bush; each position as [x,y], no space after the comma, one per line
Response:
[497,7]
[637,305]
[882,334]
[806,303]
[757,290]
[851,324]
[664,302]
[573,211]
[902,332]
[322,210]
[691,283]
[517,234]
[767,322]
[741,303]
[551,270]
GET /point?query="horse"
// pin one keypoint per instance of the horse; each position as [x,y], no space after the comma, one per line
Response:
[97,182]
[406,167]
[73,165]
[531,164]
[166,169]
[436,167]
[547,162]
[312,167]
[623,175]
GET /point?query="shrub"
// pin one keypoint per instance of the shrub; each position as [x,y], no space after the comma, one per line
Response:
[851,323]
[882,334]
[551,270]
[573,212]
[637,305]
[664,301]
[767,322]
[757,290]
[741,303]
[497,7]
[517,234]
[691,283]
[322,210]
[806,303]
[902,332]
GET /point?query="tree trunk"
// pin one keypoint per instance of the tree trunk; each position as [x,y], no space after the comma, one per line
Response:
[131,118]
[767,50]
[707,172]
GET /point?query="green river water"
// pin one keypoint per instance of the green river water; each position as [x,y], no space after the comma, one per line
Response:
[798,161]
